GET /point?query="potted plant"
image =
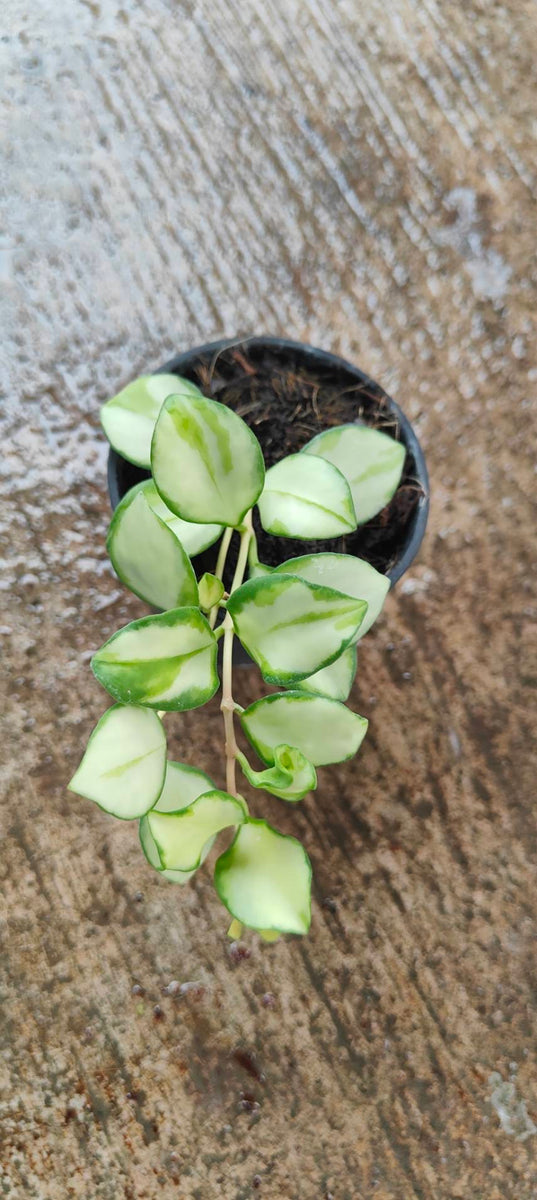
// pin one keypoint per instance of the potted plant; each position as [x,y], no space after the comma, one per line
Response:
[234,537]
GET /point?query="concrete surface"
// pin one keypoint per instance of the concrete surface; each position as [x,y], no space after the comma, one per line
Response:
[361,176]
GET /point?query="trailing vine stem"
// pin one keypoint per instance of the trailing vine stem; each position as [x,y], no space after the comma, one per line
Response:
[227,704]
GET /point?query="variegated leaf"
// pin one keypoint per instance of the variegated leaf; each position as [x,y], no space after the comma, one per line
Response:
[291,777]
[193,538]
[167,661]
[292,628]
[128,419]
[124,766]
[347,574]
[324,730]
[264,880]
[183,785]
[207,464]
[147,556]
[181,838]
[306,498]
[334,681]
[371,461]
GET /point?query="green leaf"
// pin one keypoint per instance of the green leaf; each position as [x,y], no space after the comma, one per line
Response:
[167,661]
[306,498]
[235,929]
[347,574]
[324,730]
[183,785]
[181,838]
[292,628]
[371,461]
[258,570]
[149,847]
[147,556]
[291,777]
[124,765]
[206,462]
[334,681]
[193,538]
[128,419]
[211,591]
[264,880]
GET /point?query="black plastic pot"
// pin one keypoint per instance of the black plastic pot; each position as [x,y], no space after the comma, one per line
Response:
[335,371]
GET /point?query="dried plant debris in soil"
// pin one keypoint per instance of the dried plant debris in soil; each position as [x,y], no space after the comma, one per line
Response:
[286,406]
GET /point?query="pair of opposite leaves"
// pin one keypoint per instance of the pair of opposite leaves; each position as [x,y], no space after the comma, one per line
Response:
[263,878]
[164,423]
[192,443]
[297,629]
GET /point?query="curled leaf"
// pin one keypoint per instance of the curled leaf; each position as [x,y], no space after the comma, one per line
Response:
[183,785]
[211,591]
[290,778]
[181,838]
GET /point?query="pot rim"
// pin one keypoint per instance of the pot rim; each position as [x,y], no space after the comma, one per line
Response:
[328,360]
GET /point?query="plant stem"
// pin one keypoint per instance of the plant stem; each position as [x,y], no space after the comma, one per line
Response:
[253,557]
[219,569]
[227,705]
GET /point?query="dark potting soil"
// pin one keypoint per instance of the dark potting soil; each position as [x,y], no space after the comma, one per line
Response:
[285,406]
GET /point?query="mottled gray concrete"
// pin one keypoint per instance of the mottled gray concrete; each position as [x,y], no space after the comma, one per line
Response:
[362,177]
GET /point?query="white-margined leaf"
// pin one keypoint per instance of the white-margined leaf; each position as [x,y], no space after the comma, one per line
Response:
[258,570]
[324,730]
[211,591]
[181,838]
[207,464]
[183,785]
[291,777]
[129,418]
[347,574]
[292,628]
[167,661]
[147,556]
[334,681]
[371,461]
[193,538]
[124,766]
[152,855]
[264,880]
[306,498]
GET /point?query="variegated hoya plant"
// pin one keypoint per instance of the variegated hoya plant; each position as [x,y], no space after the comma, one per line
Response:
[300,622]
